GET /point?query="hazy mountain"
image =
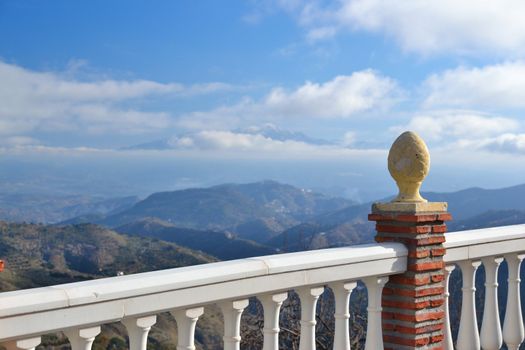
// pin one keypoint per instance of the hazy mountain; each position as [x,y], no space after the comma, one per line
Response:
[44,208]
[471,208]
[228,207]
[224,246]
[474,201]
[273,132]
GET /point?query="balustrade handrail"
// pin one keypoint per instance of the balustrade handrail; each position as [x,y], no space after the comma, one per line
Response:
[479,243]
[47,309]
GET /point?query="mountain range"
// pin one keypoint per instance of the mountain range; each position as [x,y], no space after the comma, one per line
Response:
[256,211]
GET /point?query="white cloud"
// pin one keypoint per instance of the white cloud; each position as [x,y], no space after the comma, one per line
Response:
[33,101]
[494,86]
[20,141]
[506,143]
[238,143]
[210,143]
[451,126]
[344,96]
[427,27]
[321,33]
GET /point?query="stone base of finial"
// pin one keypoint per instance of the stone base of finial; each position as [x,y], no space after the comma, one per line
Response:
[409,207]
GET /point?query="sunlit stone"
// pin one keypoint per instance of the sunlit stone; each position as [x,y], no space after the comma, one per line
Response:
[408,163]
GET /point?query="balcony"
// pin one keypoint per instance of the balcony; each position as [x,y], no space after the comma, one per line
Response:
[406,276]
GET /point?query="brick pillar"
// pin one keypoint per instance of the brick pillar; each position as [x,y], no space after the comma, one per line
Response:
[412,302]
[413,315]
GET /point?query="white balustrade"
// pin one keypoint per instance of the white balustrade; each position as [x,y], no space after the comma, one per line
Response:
[491,337]
[448,343]
[186,322]
[308,297]
[79,309]
[82,338]
[232,312]
[513,332]
[467,248]
[374,336]
[271,307]
[468,337]
[342,292]
[23,344]
[138,330]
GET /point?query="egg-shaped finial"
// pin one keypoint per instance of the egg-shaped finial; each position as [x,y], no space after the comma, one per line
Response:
[408,163]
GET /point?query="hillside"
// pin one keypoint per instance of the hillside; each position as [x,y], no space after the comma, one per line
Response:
[40,255]
[271,206]
[52,254]
[219,244]
[45,208]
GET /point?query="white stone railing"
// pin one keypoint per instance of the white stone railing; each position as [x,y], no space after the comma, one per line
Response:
[79,309]
[468,250]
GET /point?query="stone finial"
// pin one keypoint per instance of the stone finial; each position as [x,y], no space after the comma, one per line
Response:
[408,163]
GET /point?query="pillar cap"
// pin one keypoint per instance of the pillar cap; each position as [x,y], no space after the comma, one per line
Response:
[409,163]
[407,207]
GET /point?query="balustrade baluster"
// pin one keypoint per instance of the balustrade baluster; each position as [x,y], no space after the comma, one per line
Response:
[468,337]
[138,329]
[83,338]
[186,322]
[23,344]
[374,331]
[448,344]
[491,337]
[232,311]
[342,292]
[513,332]
[272,306]
[309,297]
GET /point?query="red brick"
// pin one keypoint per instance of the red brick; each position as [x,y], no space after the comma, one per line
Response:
[406,341]
[413,330]
[409,305]
[437,277]
[438,251]
[418,317]
[438,302]
[439,228]
[420,242]
[427,316]
[444,217]
[427,266]
[415,281]
[417,218]
[419,253]
[403,229]
[414,292]
[437,338]
[430,240]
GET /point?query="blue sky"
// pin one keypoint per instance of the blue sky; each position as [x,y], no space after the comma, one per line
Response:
[240,80]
